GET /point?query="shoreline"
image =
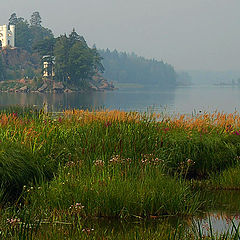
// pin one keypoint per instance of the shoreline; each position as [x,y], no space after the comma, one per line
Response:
[51,86]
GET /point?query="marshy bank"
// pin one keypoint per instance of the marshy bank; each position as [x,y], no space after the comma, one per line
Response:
[61,175]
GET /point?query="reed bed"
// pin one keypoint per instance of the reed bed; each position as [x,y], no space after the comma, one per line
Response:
[110,164]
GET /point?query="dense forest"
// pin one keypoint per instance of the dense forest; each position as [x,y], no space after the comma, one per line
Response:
[28,33]
[75,63]
[122,67]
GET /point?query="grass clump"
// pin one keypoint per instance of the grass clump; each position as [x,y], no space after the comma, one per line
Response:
[228,179]
[118,191]
[18,167]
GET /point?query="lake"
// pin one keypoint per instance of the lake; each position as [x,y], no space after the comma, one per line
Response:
[224,206]
[188,100]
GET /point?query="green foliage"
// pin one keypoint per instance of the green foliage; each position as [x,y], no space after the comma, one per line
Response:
[29,73]
[28,35]
[192,157]
[18,167]
[81,62]
[45,46]
[228,179]
[22,61]
[75,61]
[2,69]
[40,33]
[61,51]
[12,74]
[36,19]
[118,191]
[130,68]
[209,153]
[14,20]
[23,35]
[114,168]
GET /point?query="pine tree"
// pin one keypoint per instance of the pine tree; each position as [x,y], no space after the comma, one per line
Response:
[13,20]
[36,19]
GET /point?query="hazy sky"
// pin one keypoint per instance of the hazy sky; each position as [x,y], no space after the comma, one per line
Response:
[189,34]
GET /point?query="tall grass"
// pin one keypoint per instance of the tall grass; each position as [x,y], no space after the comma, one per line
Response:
[117,191]
[84,164]
[228,179]
[195,148]
[18,167]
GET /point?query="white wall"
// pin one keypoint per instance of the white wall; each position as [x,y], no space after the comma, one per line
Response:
[7,37]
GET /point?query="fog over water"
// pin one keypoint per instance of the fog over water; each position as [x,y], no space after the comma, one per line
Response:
[189,34]
[187,100]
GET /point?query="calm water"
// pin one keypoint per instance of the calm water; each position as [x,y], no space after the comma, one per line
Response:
[178,100]
[223,206]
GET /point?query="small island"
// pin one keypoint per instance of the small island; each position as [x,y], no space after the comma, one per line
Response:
[33,60]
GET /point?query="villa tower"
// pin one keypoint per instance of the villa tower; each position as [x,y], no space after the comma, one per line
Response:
[7,35]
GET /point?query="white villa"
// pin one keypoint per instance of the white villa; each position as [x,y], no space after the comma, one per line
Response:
[7,35]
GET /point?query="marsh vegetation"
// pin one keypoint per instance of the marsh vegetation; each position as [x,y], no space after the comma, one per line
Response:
[64,175]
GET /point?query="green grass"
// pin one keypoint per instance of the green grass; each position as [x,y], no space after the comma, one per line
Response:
[20,167]
[228,179]
[117,191]
[70,168]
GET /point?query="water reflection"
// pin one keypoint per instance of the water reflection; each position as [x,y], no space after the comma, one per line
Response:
[55,102]
[207,98]
[140,100]
[217,223]
[222,211]
[176,100]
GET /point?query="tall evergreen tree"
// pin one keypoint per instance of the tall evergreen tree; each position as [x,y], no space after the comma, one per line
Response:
[28,35]
[36,19]
[81,62]
[97,60]
[75,37]
[14,20]
[45,46]
[75,61]
[23,35]
[61,51]
[39,33]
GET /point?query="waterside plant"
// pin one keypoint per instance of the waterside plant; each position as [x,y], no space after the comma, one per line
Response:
[109,164]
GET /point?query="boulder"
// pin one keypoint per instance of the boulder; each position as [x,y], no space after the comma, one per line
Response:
[43,88]
[93,87]
[67,90]
[58,87]
[24,89]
